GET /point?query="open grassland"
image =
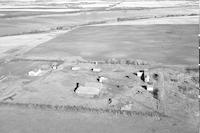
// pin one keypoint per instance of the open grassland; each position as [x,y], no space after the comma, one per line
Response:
[176,109]
[25,120]
[125,37]
[167,44]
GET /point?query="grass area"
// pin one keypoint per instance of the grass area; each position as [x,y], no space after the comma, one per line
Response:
[168,44]
[25,120]
[48,103]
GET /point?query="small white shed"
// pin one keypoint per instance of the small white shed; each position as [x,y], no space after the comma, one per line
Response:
[147,78]
[139,74]
[96,69]
[150,88]
[75,68]
[101,79]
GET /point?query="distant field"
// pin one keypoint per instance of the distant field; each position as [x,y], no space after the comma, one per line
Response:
[12,23]
[168,44]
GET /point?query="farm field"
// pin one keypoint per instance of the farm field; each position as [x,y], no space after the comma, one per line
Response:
[167,44]
[99,66]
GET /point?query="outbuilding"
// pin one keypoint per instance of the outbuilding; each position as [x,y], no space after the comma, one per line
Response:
[96,69]
[54,65]
[148,87]
[101,79]
[90,89]
[144,75]
[75,68]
